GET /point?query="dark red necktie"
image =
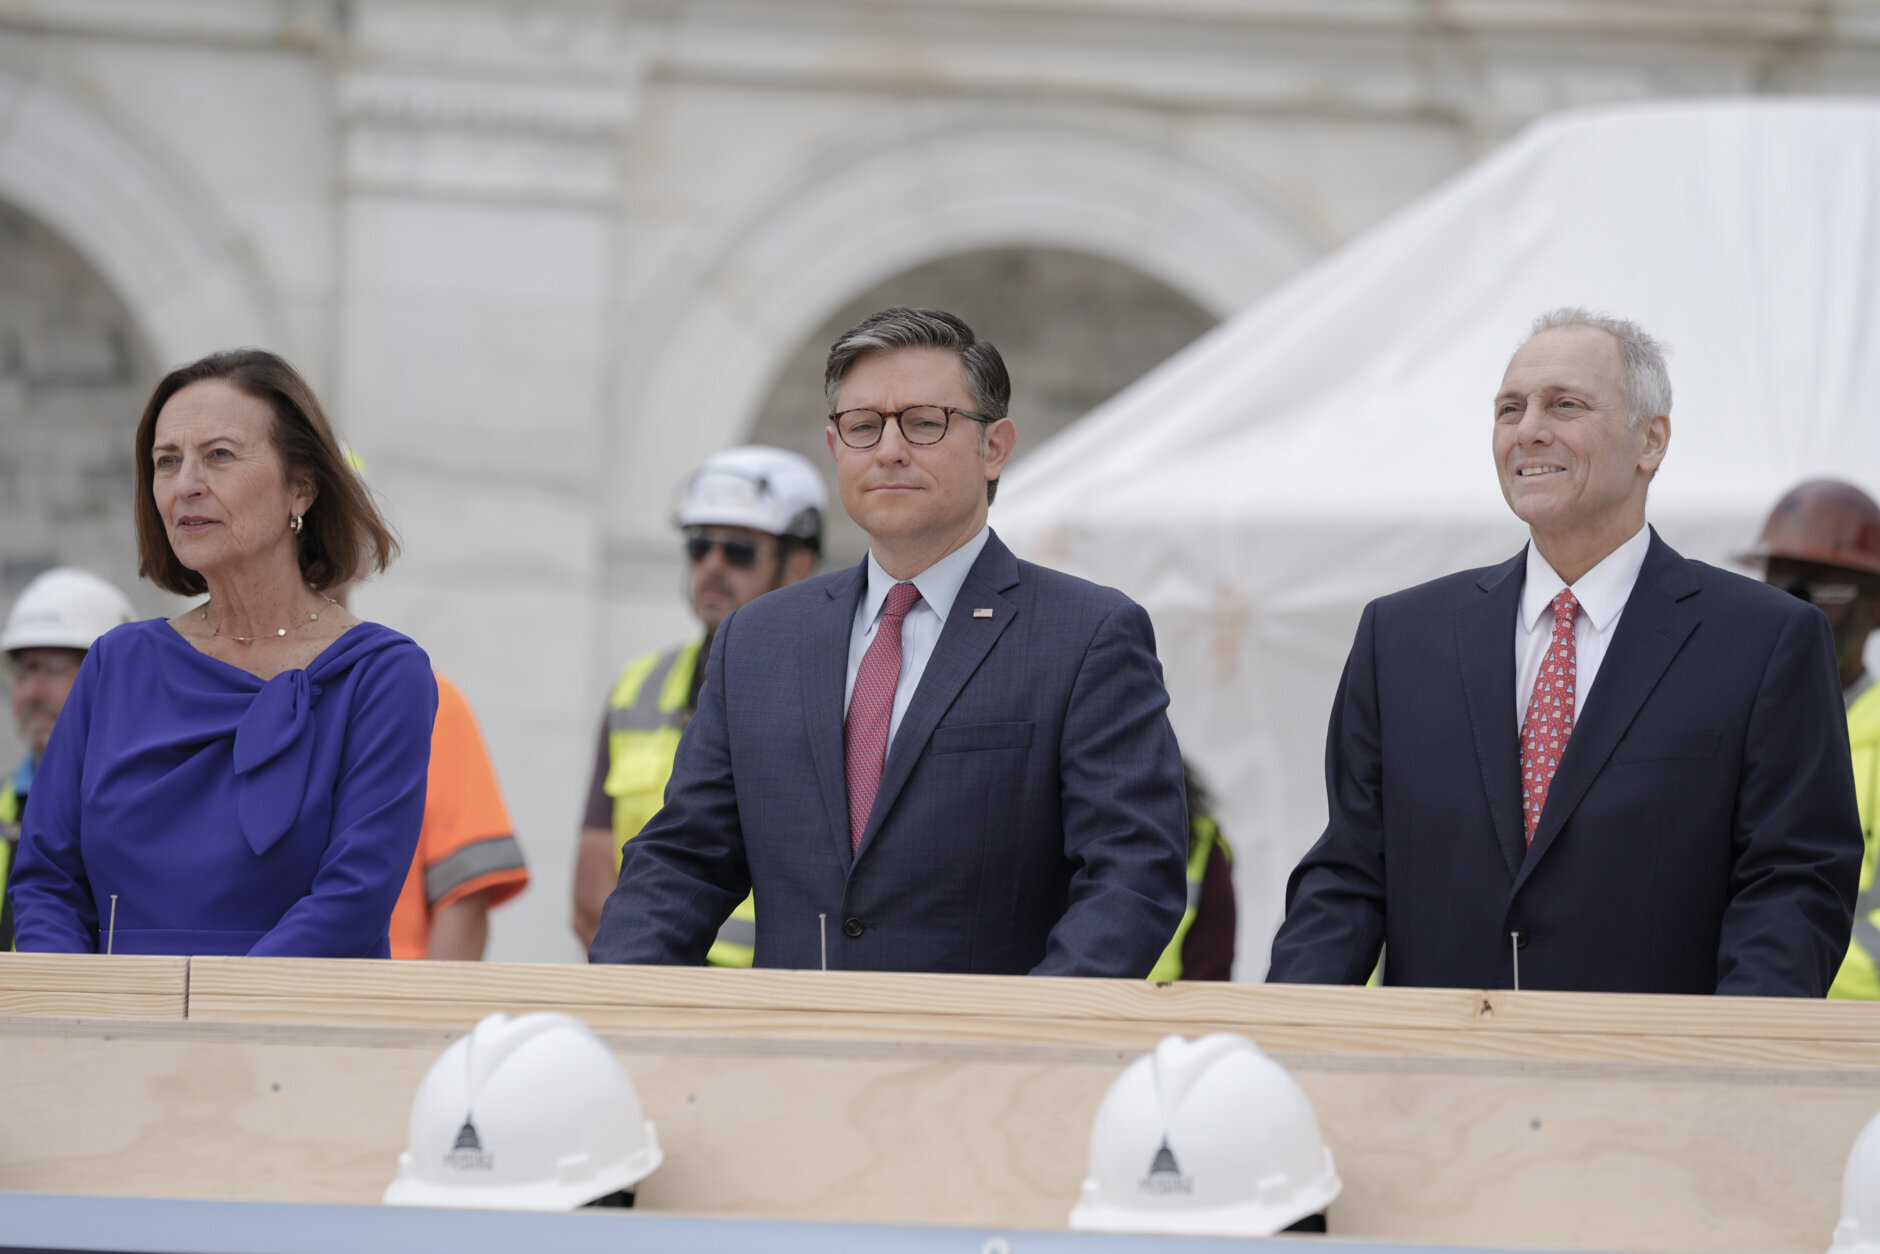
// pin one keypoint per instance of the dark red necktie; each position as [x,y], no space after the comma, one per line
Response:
[1549,718]
[871,709]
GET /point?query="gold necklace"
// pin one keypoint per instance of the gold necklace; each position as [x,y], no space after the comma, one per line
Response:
[214,631]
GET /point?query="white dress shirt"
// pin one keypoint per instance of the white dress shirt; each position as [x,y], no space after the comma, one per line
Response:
[1601,592]
[939,587]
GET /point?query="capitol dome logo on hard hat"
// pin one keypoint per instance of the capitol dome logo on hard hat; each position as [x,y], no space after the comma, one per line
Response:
[1165,1178]
[1246,1129]
[467,1154]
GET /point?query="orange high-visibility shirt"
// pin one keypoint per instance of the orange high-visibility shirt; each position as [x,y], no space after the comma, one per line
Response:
[467,844]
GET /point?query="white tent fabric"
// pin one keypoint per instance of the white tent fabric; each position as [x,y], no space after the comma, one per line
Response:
[1331,444]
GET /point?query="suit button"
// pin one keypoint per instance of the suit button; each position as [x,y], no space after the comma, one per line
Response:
[852,928]
[1520,937]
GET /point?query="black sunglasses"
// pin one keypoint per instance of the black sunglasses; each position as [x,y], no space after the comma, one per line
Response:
[739,554]
[1822,594]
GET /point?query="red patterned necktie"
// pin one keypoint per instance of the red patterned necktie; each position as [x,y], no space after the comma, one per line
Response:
[1549,718]
[871,709]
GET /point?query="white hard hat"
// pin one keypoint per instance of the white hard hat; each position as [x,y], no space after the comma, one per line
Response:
[66,608]
[1205,1138]
[1859,1229]
[768,489]
[524,1114]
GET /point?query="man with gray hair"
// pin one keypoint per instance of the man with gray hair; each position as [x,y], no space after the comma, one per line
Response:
[1649,792]
[941,759]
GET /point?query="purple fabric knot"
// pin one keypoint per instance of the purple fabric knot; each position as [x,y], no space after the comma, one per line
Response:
[273,750]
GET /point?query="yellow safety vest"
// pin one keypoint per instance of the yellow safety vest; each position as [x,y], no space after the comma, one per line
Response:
[1859,977]
[650,707]
[1203,835]
[9,842]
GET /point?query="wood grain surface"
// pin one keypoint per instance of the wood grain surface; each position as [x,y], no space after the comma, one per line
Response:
[1515,1152]
[1040,1011]
[1531,1119]
[88,985]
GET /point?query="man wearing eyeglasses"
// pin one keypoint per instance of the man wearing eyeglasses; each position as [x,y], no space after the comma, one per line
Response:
[52,626]
[940,759]
[751,518]
[1822,544]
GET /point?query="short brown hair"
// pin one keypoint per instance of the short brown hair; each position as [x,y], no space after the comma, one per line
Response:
[344,536]
[904,327]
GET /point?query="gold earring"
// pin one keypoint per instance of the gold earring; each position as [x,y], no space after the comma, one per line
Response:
[294,524]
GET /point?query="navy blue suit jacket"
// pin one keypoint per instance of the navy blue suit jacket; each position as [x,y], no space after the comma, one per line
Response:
[1700,835]
[1030,815]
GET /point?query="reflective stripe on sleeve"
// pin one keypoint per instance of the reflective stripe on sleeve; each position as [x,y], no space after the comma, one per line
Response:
[1867,936]
[1866,933]
[478,858]
[644,714]
[735,931]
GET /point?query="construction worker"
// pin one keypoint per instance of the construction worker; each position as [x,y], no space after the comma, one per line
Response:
[1203,945]
[468,860]
[752,522]
[1822,543]
[55,622]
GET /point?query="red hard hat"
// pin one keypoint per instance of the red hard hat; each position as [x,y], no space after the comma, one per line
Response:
[1823,521]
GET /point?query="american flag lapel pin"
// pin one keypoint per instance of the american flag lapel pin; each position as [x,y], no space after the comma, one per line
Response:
[982,613]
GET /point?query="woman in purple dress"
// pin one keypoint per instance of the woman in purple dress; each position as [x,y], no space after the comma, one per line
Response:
[248,777]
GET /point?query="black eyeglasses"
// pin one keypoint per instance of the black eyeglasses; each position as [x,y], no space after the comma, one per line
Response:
[1822,594]
[740,554]
[920,424]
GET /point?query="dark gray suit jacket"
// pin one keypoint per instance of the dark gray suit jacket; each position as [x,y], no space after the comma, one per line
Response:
[1030,815]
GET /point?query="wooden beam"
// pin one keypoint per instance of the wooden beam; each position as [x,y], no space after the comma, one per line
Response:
[92,985]
[1118,1012]
[1522,1151]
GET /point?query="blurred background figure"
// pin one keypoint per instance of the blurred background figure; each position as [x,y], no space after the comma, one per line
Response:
[56,620]
[247,777]
[752,518]
[1203,945]
[1822,544]
[468,859]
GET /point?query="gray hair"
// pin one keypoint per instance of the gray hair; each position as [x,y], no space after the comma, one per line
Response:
[905,327]
[1642,359]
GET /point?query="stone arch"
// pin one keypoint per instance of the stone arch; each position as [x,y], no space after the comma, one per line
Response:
[1074,329]
[74,370]
[164,247]
[842,230]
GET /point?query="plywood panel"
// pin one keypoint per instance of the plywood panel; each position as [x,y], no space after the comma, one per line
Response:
[1608,1157]
[1540,1119]
[1519,1152]
[93,985]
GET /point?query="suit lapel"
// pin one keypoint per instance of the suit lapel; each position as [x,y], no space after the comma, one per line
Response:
[1653,628]
[825,677]
[964,642]
[1485,652]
